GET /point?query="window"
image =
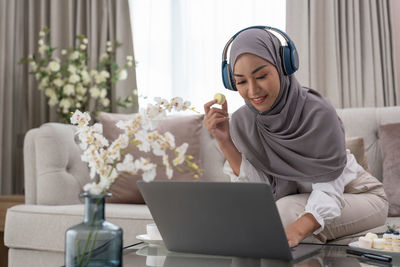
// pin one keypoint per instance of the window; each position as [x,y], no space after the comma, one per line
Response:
[178,44]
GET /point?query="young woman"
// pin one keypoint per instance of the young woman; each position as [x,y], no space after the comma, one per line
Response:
[291,137]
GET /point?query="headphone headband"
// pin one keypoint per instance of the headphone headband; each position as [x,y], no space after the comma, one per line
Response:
[288,53]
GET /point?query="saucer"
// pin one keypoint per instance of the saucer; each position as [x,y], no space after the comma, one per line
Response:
[145,238]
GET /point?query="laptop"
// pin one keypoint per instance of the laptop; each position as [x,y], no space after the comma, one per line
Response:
[220,218]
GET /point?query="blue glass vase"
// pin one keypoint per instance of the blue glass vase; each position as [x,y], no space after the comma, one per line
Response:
[95,242]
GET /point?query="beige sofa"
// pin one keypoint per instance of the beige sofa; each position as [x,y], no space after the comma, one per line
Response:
[54,176]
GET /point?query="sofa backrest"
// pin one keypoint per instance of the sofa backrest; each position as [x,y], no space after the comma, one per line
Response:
[365,122]
[55,174]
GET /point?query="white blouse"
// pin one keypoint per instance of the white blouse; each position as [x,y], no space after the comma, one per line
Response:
[326,200]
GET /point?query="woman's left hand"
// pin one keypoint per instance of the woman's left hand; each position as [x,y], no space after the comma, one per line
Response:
[301,228]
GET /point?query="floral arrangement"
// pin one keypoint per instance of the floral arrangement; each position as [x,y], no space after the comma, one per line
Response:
[106,160]
[68,84]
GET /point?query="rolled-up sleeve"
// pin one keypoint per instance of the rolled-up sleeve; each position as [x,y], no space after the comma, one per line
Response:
[326,200]
[248,173]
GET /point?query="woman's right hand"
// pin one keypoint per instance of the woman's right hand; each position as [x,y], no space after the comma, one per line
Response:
[216,121]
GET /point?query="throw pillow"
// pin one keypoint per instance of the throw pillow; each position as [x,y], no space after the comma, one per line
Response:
[356,147]
[389,135]
[186,129]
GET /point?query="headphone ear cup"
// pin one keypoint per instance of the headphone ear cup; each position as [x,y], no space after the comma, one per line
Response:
[286,60]
[290,59]
[294,57]
[227,80]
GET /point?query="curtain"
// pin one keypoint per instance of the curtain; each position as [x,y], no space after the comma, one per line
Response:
[179,43]
[395,8]
[346,50]
[23,105]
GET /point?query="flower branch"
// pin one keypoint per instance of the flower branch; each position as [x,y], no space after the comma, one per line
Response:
[106,160]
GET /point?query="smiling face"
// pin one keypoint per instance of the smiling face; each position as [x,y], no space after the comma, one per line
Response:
[257,81]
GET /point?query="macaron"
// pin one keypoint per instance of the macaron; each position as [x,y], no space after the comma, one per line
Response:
[220,98]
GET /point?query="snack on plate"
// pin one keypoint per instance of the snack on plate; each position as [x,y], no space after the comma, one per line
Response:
[387,236]
[364,242]
[396,241]
[378,243]
[220,98]
[371,236]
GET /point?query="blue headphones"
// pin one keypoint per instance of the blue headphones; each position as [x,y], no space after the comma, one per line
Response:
[290,58]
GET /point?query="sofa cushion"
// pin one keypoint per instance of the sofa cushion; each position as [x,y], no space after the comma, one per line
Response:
[43,227]
[356,146]
[186,129]
[390,147]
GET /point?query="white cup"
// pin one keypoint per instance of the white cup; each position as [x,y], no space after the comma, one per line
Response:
[152,232]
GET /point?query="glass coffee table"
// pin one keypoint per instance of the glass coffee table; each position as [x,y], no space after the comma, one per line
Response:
[143,255]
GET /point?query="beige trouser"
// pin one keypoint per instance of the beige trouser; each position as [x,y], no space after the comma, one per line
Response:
[366,207]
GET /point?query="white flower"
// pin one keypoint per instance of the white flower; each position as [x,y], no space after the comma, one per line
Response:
[41,42]
[109,43]
[168,169]
[104,57]
[54,66]
[127,165]
[58,82]
[186,105]
[122,75]
[170,139]
[85,77]
[63,52]
[74,78]
[93,188]
[50,93]
[82,47]
[65,104]
[37,76]
[85,40]
[99,78]
[115,148]
[94,92]
[103,93]
[81,119]
[129,64]
[42,49]
[148,168]
[78,105]
[105,74]
[105,102]
[135,92]
[129,58]
[41,33]
[93,73]
[44,83]
[143,138]
[181,154]
[74,55]
[177,103]
[53,101]
[69,89]
[33,66]
[80,89]
[109,49]
[72,68]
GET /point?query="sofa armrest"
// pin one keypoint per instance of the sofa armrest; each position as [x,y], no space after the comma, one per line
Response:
[54,171]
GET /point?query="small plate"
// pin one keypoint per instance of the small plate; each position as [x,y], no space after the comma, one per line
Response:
[145,238]
[374,250]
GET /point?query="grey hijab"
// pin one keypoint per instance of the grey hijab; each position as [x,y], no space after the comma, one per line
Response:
[299,139]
